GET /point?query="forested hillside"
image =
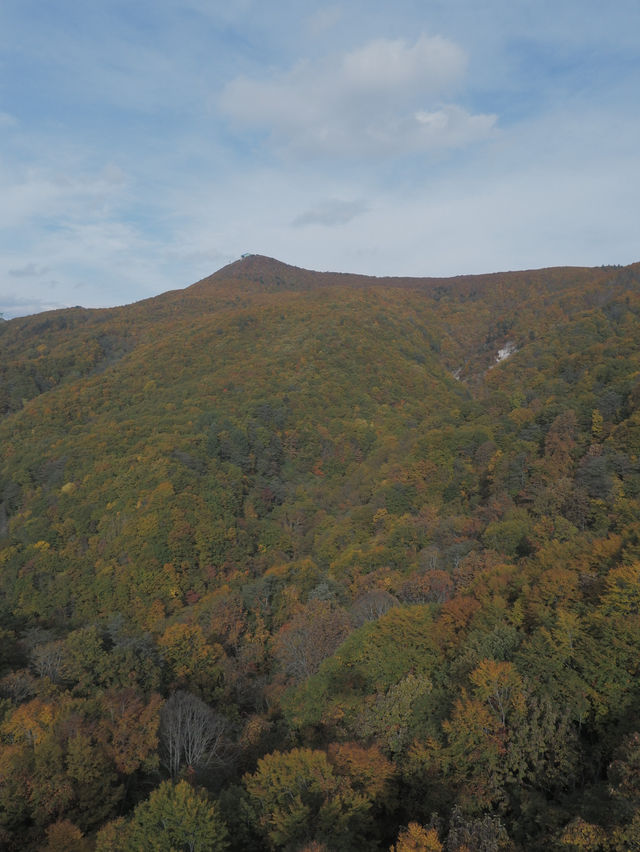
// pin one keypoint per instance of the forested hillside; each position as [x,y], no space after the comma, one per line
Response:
[304,561]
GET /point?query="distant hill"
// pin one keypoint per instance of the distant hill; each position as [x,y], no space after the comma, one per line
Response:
[384,528]
[476,304]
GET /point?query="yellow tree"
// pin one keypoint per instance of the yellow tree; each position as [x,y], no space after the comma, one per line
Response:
[417,838]
[296,797]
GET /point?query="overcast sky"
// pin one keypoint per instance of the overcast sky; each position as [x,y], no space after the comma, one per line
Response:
[145,144]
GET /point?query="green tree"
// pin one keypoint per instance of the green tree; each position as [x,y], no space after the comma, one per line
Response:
[297,797]
[175,818]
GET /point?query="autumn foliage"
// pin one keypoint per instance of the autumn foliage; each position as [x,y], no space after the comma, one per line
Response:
[290,560]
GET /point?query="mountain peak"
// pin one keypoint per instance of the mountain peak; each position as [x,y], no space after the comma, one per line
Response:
[251,264]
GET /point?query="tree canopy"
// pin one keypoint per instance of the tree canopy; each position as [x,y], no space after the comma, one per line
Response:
[302,561]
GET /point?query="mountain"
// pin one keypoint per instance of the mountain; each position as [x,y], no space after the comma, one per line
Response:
[379,533]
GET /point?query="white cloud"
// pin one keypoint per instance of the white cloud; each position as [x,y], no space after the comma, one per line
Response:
[15,307]
[324,19]
[393,67]
[69,232]
[35,194]
[330,213]
[382,99]
[452,126]
[29,270]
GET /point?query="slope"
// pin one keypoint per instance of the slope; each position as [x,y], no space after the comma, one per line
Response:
[322,506]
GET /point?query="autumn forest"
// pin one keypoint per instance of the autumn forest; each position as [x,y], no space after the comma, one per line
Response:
[306,561]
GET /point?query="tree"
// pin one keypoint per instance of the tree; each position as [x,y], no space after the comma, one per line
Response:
[482,834]
[95,784]
[391,718]
[192,734]
[130,728]
[625,838]
[174,817]
[313,634]
[371,605]
[475,754]
[416,838]
[297,797]
[425,586]
[367,769]
[193,662]
[47,660]
[372,659]
[64,836]
[582,836]
[624,775]
[31,723]
[559,443]
[85,659]
[499,684]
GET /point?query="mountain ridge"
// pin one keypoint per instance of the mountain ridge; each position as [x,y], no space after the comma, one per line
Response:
[503,296]
[383,533]
[255,267]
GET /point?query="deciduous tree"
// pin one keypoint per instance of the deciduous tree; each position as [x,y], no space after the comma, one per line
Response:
[192,734]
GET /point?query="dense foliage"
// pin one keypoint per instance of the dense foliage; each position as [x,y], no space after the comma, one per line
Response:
[292,560]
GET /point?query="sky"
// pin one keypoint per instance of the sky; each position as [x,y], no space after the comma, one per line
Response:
[146,144]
